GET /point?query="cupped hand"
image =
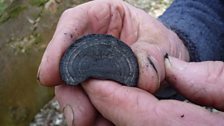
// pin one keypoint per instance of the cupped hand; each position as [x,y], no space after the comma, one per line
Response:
[149,39]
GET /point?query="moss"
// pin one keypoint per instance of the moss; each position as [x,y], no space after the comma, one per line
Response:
[2,6]
[38,39]
[12,12]
[38,2]
[4,17]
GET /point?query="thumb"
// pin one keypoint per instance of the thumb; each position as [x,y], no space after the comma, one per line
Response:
[119,104]
[201,82]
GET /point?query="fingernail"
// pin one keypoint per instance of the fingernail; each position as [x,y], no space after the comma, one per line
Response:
[38,74]
[69,115]
[166,56]
[167,60]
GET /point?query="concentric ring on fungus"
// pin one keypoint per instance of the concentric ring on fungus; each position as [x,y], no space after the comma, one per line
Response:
[99,56]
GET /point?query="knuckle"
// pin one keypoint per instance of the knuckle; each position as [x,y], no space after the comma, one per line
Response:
[219,69]
[67,12]
[215,71]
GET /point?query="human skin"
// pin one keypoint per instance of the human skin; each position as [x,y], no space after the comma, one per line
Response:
[105,103]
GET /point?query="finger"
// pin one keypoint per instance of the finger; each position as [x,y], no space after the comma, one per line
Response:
[117,103]
[151,65]
[75,105]
[72,23]
[131,106]
[153,42]
[150,58]
[93,17]
[201,82]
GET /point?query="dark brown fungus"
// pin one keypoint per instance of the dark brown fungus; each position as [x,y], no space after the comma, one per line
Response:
[101,57]
[152,64]
[182,116]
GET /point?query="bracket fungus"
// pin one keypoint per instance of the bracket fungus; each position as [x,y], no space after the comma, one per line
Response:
[99,56]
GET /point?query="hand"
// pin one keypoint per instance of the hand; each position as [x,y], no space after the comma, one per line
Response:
[202,83]
[149,39]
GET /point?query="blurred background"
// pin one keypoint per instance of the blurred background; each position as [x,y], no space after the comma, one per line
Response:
[26,26]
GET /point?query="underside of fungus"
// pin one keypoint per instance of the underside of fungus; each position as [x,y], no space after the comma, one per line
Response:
[101,57]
